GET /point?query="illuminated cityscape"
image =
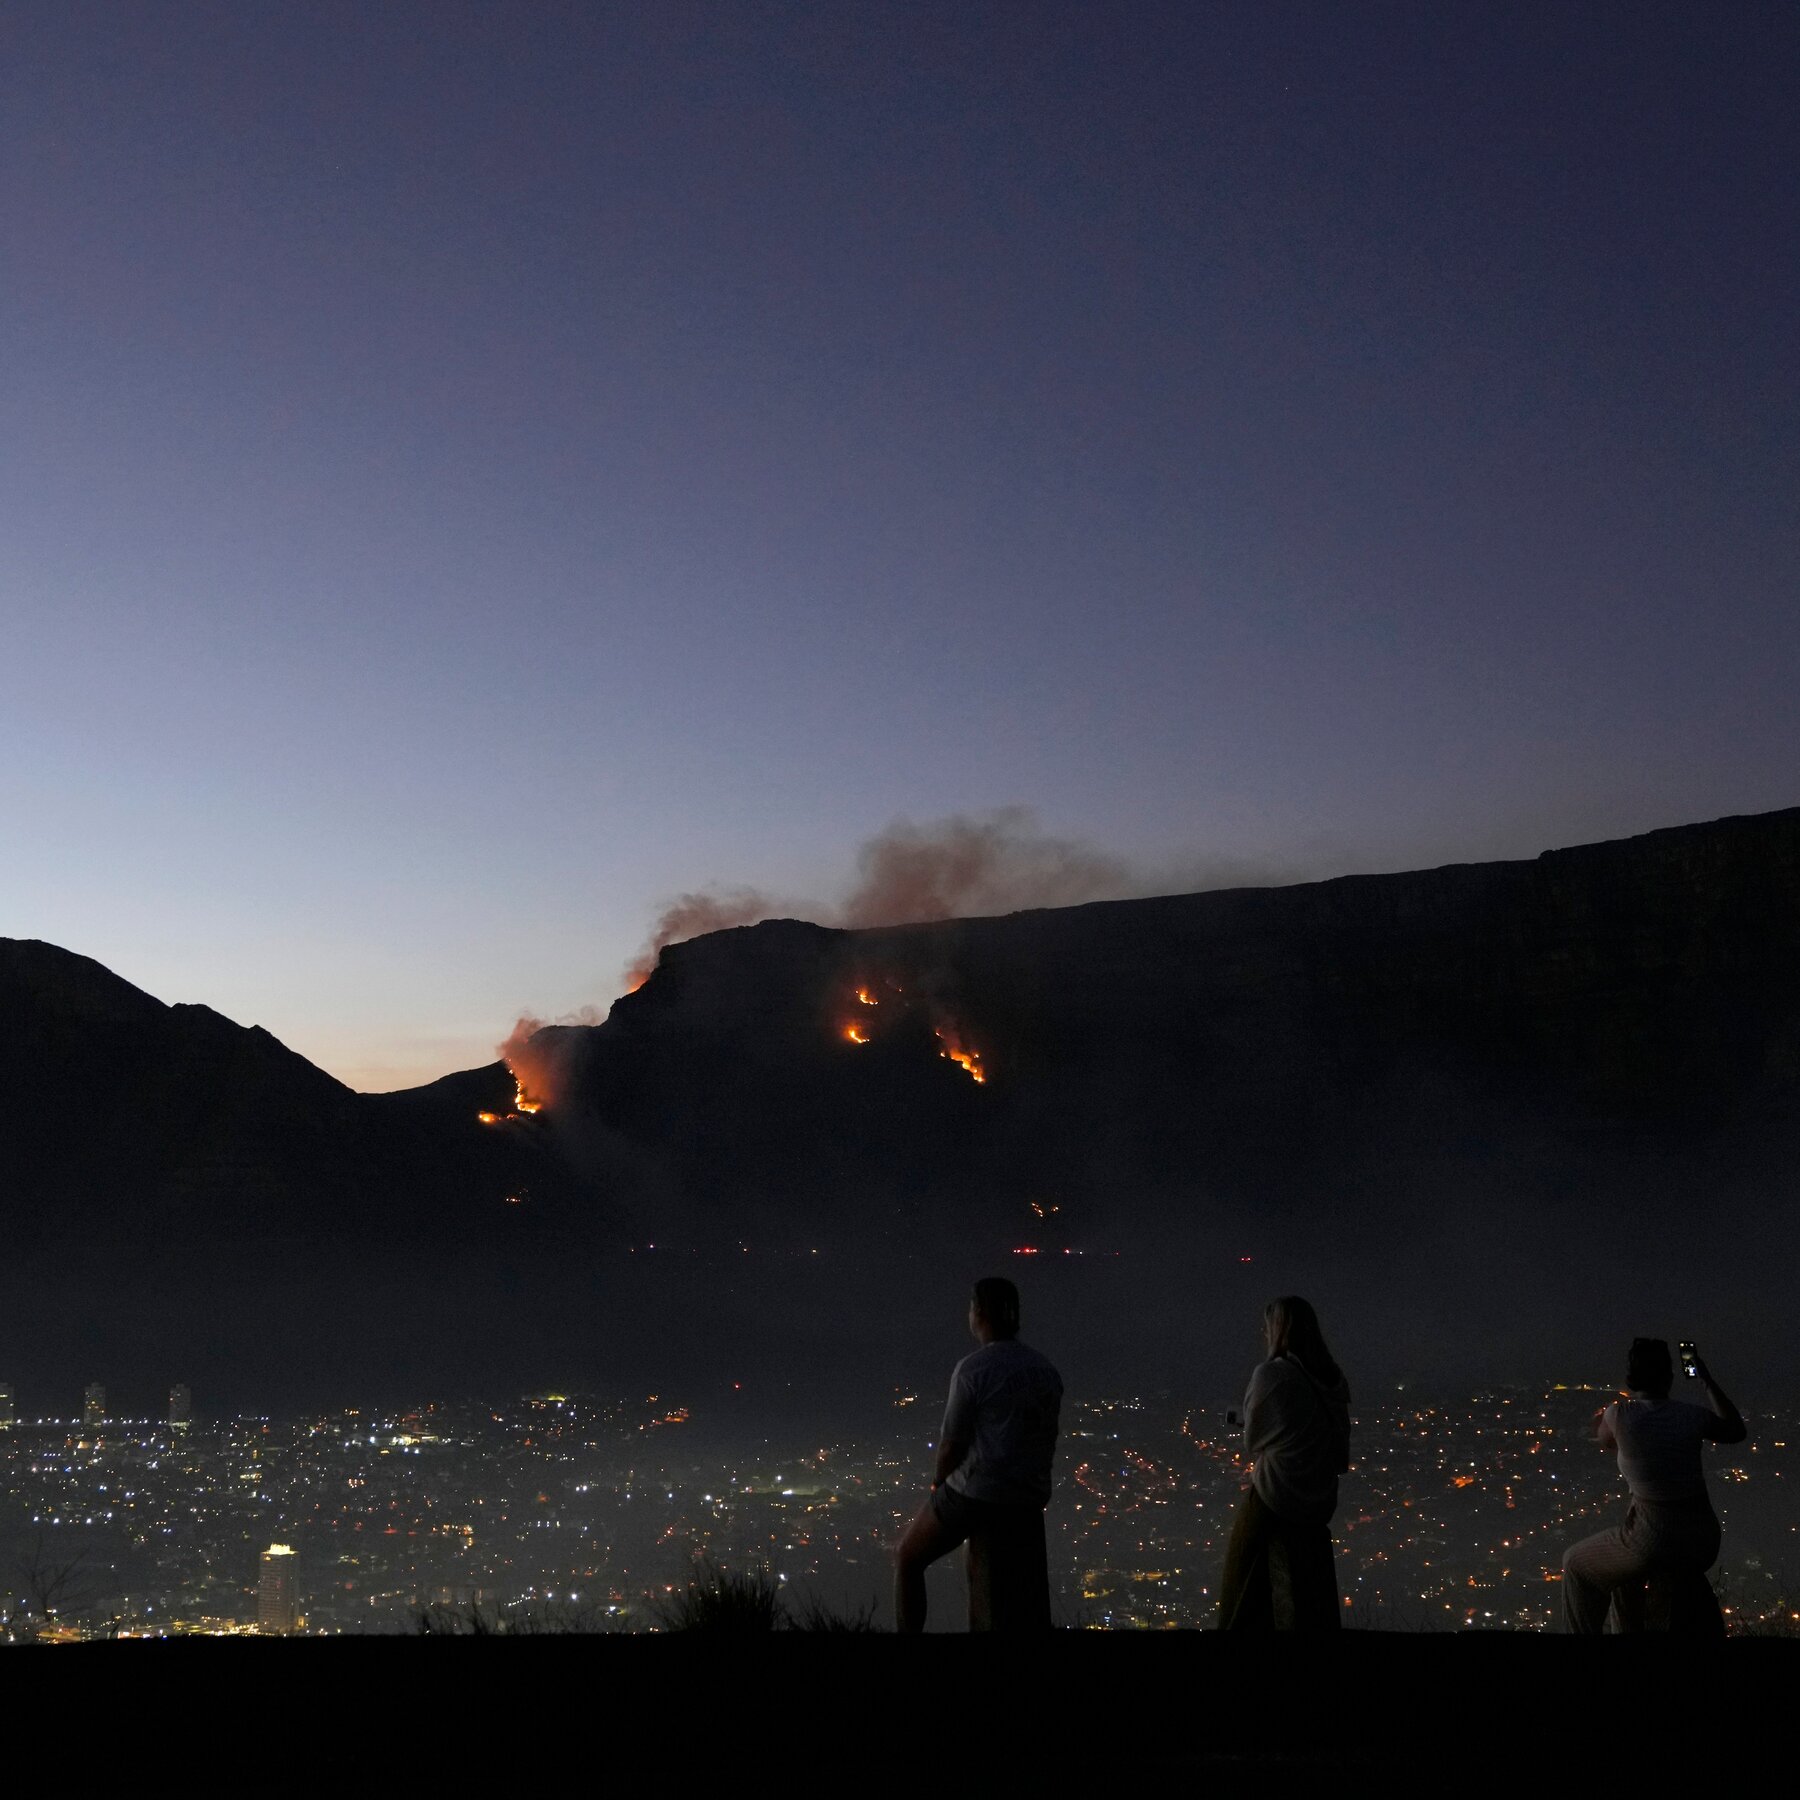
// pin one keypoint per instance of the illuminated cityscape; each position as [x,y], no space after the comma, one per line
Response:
[572,1512]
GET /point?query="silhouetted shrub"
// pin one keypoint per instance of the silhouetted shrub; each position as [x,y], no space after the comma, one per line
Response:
[545,1619]
[812,1614]
[729,1602]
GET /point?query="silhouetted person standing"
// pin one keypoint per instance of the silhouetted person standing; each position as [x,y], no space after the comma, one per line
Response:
[1669,1523]
[994,1457]
[1280,1573]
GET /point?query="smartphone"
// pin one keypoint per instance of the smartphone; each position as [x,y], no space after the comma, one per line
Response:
[1690,1360]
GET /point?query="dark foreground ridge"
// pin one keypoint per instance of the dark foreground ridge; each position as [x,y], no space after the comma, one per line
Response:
[940,1712]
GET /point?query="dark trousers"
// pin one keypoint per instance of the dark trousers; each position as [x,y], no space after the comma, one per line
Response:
[1278,1576]
[1669,1539]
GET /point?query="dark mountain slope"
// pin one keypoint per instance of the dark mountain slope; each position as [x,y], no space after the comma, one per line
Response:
[1643,993]
[1482,1099]
[134,1121]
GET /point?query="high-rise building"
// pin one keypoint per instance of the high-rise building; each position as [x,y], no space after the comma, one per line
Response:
[8,1411]
[277,1600]
[181,1406]
[93,1405]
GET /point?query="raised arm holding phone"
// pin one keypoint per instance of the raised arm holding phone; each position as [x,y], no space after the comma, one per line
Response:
[1669,1522]
[1731,1428]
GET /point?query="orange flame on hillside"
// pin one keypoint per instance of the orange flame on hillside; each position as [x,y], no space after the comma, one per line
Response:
[951,1045]
[516,1054]
[524,1101]
[967,1059]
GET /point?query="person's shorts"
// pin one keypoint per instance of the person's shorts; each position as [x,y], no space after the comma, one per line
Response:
[961,1516]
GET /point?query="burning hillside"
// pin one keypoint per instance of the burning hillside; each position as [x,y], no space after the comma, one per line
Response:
[951,1045]
[956,1051]
[1497,1057]
[1210,1038]
[523,1104]
[532,1067]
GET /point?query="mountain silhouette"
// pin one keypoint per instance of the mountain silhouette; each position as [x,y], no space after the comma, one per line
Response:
[1643,992]
[1556,1047]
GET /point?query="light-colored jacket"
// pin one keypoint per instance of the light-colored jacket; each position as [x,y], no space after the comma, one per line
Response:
[1298,1432]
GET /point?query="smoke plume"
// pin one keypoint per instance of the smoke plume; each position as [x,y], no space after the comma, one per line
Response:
[961,868]
[518,1038]
[533,1065]
[953,868]
[693,915]
[958,867]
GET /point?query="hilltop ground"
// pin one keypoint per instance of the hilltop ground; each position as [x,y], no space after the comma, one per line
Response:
[803,1714]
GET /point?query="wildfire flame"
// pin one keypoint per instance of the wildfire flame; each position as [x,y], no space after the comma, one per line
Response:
[523,1102]
[968,1059]
[950,1041]
[531,1070]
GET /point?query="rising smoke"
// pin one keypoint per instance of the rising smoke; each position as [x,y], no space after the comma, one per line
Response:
[693,915]
[536,1063]
[958,867]
[516,1052]
[954,868]
[963,868]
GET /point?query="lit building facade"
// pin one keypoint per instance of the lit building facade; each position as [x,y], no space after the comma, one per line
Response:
[277,1600]
[181,1406]
[8,1408]
[93,1405]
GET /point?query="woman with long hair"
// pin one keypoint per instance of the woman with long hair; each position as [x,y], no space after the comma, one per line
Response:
[1279,1568]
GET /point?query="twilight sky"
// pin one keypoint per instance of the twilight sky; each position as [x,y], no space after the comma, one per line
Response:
[468,473]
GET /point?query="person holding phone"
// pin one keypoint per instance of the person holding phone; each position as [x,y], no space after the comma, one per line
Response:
[1280,1569]
[1669,1522]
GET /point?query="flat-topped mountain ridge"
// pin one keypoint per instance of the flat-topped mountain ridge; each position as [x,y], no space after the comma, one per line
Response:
[1506,1051]
[1644,990]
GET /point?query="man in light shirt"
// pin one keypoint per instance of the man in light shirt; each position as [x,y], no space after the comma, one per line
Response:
[994,1456]
[1669,1523]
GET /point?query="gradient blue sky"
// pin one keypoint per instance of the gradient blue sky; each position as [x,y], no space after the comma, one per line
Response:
[469,472]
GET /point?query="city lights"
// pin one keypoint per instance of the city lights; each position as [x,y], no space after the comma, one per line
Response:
[564,1510]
